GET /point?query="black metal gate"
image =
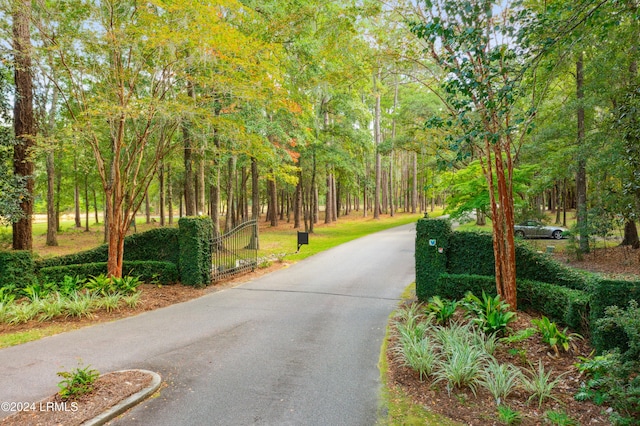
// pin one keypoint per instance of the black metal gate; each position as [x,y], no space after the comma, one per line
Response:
[236,251]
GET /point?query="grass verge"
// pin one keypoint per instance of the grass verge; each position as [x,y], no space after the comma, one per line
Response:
[21,337]
[396,407]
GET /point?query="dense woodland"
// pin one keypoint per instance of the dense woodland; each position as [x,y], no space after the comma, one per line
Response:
[277,110]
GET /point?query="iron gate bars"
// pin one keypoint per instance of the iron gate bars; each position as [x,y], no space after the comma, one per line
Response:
[236,251]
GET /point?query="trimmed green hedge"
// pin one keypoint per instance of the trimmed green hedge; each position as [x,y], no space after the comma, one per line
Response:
[160,244]
[16,268]
[472,253]
[196,250]
[430,264]
[609,293]
[565,305]
[148,271]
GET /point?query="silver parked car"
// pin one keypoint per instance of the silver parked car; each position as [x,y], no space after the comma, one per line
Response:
[535,229]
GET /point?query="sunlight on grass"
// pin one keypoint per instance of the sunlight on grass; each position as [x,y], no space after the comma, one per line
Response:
[21,337]
[327,236]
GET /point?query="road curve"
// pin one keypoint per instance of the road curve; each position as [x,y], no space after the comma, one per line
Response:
[296,347]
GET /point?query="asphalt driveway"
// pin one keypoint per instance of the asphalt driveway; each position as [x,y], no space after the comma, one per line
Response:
[299,346]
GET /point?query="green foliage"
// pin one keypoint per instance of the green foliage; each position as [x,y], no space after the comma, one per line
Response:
[456,286]
[16,268]
[80,305]
[552,336]
[627,320]
[613,381]
[77,382]
[610,293]
[107,286]
[500,379]
[159,245]
[538,383]
[569,306]
[520,336]
[560,303]
[472,253]
[146,271]
[560,418]
[509,416]
[196,250]
[441,309]
[461,364]
[491,314]
[430,264]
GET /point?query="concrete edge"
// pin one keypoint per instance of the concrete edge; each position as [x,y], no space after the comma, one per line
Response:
[129,402]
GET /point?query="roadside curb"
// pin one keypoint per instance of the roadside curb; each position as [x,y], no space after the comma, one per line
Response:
[129,402]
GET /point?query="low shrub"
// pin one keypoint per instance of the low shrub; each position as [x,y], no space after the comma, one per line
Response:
[568,306]
[611,293]
[146,271]
[158,245]
[16,268]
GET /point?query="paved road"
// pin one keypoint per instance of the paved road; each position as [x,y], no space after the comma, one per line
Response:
[299,346]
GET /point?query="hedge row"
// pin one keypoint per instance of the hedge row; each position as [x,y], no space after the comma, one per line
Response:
[432,236]
[472,253]
[148,271]
[160,244]
[196,249]
[568,306]
[16,268]
[573,298]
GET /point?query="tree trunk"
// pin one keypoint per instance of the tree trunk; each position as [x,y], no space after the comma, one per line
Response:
[189,182]
[581,174]
[414,188]
[76,193]
[169,194]
[273,201]
[297,204]
[630,235]
[23,122]
[52,235]
[377,140]
[147,208]
[231,163]
[255,190]
[86,203]
[162,192]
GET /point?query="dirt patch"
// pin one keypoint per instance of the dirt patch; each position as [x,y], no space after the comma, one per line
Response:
[109,389]
[617,261]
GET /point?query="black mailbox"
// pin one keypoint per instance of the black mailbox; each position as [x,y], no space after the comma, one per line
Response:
[303,238]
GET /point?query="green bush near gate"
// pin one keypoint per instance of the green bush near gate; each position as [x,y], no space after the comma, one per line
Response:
[147,271]
[432,236]
[196,249]
[16,268]
[159,245]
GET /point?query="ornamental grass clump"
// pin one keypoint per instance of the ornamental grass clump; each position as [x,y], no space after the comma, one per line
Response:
[461,366]
[500,379]
[538,383]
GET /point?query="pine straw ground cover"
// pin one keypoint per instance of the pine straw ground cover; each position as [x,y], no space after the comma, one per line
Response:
[481,408]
